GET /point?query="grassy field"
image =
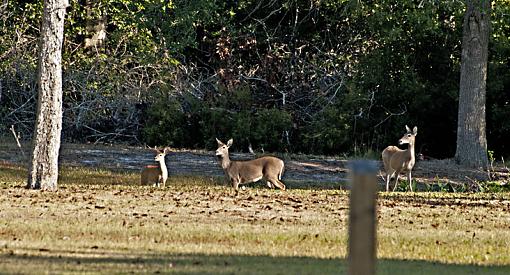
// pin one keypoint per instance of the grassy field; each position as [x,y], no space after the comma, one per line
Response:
[103,222]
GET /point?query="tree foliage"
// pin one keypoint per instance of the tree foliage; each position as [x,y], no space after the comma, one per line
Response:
[331,76]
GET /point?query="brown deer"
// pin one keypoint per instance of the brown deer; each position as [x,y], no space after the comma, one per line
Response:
[156,174]
[397,160]
[241,172]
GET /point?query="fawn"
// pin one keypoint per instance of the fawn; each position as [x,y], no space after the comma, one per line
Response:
[156,174]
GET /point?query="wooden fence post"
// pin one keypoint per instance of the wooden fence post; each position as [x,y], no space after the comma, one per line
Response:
[362,218]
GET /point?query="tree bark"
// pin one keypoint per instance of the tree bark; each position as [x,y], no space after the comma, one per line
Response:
[43,169]
[471,138]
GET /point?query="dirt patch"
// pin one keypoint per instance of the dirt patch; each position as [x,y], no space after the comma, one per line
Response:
[203,163]
[433,171]
[185,162]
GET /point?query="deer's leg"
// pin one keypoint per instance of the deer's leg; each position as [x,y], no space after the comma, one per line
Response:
[396,180]
[278,183]
[269,184]
[235,184]
[388,177]
[282,186]
[410,181]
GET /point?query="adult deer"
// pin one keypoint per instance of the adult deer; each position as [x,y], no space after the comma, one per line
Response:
[241,172]
[397,160]
[156,174]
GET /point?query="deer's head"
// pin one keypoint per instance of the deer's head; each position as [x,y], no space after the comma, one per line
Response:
[160,154]
[222,150]
[408,137]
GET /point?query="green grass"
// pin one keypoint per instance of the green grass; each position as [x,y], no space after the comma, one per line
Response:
[102,221]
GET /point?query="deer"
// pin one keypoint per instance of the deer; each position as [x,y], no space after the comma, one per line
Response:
[247,171]
[156,174]
[397,160]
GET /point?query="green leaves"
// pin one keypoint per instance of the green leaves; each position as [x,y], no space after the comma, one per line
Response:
[344,67]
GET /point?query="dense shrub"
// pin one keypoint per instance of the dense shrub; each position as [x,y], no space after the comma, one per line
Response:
[188,122]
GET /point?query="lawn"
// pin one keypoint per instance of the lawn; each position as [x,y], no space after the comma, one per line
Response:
[101,221]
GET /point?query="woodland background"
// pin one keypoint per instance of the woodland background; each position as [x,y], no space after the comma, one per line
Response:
[322,77]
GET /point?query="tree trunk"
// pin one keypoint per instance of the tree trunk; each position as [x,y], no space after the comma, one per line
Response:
[471,138]
[43,169]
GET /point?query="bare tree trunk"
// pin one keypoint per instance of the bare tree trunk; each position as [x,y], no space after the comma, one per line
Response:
[471,138]
[43,169]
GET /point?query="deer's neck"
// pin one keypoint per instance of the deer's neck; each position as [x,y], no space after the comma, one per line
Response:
[162,167]
[225,162]
[410,150]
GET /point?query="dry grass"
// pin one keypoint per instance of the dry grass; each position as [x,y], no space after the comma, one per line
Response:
[102,222]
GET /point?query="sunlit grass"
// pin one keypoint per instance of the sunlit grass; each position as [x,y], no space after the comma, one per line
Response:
[103,221]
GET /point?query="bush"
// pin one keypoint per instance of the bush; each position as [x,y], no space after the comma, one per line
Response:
[191,123]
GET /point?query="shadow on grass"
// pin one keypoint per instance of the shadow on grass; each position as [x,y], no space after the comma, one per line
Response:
[104,262]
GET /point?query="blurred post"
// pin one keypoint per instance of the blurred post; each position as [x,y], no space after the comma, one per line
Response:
[362,218]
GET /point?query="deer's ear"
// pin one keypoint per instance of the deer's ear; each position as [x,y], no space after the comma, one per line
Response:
[408,129]
[415,130]
[229,143]
[219,142]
